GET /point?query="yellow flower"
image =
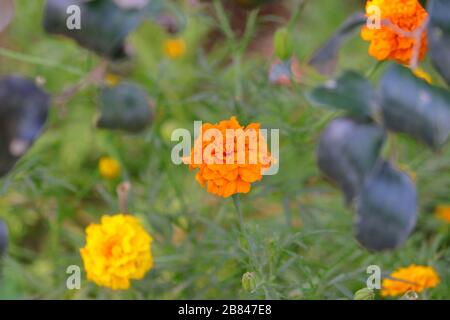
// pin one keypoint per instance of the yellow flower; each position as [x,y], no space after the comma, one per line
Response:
[174,48]
[443,213]
[420,73]
[413,278]
[112,79]
[117,250]
[109,168]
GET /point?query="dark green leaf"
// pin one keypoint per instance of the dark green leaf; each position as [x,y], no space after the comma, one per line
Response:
[104,26]
[348,151]
[325,59]
[439,36]
[125,106]
[411,105]
[3,238]
[23,112]
[387,209]
[350,92]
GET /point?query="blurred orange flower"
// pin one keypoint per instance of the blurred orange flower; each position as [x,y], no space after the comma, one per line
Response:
[413,278]
[443,213]
[229,166]
[386,43]
[174,48]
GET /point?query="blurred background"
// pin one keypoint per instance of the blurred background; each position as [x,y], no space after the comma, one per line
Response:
[303,232]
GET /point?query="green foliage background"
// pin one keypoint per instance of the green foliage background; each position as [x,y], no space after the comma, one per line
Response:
[302,233]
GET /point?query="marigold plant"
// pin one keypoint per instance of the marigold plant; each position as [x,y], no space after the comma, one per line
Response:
[413,278]
[223,172]
[389,44]
[117,250]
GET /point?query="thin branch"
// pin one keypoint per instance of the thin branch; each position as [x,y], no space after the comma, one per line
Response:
[95,77]
[123,192]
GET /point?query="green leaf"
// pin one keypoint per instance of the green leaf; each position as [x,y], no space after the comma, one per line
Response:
[348,151]
[104,26]
[325,59]
[23,113]
[439,36]
[350,92]
[410,105]
[125,106]
[386,209]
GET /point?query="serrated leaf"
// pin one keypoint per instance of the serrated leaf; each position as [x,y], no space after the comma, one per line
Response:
[350,92]
[104,26]
[411,105]
[6,13]
[325,59]
[348,151]
[125,106]
[439,36]
[23,112]
[386,209]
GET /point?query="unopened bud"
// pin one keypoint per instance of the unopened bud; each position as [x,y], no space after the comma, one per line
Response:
[364,294]
[249,281]
[283,44]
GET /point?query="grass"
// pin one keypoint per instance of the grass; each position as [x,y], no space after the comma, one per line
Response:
[297,236]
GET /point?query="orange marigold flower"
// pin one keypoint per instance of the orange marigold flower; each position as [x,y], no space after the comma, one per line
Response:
[413,278]
[174,48]
[443,213]
[388,44]
[117,250]
[229,164]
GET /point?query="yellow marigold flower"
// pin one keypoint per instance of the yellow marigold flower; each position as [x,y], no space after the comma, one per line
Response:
[174,48]
[226,169]
[386,43]
[420,73]
[413,278]
[112,79]
[443,213]
[117,250]
[109,168]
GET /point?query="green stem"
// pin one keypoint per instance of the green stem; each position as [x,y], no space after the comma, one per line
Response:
[237,205]
[38,61]
[298,9]
[374,69]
